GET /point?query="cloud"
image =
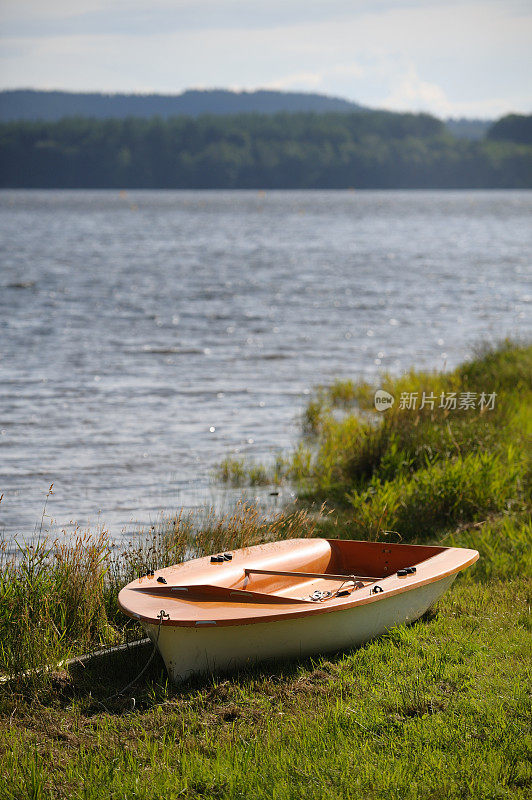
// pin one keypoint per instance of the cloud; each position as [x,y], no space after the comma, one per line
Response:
[35,18]
[409,91]
[316,80]
[298,80]
[138,17]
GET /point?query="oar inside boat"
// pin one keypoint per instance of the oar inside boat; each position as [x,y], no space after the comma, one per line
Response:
[214,594]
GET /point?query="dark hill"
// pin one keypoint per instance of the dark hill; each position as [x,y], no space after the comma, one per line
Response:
[28,104]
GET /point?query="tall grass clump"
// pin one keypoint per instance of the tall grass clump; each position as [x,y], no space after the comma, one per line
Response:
[52,601]
[504,543]
[438,497]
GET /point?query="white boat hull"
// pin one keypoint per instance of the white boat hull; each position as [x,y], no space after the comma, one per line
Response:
[189,651]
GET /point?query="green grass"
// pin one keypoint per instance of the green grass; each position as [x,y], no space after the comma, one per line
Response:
[437,710]
[437,497]
[440,709]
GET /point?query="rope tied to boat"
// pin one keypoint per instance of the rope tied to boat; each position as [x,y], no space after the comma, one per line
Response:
[319,596]
[162,615]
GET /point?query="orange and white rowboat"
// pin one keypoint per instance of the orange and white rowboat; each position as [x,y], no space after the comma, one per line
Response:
[286,599]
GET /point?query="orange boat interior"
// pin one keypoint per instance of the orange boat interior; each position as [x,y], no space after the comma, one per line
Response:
[293,576]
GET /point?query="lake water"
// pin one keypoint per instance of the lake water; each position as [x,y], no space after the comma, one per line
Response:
[146,335]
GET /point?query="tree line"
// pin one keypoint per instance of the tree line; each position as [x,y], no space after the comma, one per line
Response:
[376,149]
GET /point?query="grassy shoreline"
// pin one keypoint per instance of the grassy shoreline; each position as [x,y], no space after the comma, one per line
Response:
[436,710]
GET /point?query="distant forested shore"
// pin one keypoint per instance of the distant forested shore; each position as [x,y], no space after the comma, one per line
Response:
[362,150]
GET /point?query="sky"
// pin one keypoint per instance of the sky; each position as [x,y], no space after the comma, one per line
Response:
[459,58]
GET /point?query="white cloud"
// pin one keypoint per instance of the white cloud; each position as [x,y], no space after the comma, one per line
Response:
[297,80]
[316,80]
[409,91]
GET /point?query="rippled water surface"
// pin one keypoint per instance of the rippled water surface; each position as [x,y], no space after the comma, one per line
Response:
[144,336]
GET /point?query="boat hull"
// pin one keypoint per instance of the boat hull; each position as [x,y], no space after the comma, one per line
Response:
[189,651]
